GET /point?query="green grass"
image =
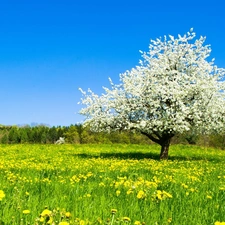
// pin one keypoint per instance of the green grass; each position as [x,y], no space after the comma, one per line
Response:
[81,184]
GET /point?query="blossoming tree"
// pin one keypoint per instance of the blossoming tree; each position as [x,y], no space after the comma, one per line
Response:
[174,89]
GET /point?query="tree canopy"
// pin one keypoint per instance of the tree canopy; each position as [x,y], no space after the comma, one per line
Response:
[174,89]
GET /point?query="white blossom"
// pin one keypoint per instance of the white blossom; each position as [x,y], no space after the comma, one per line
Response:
[173,89]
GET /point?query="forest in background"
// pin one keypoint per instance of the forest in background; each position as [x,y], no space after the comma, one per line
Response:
[77,134]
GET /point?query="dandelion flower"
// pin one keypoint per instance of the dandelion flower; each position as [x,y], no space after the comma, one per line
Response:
[219,223]
[26,211]
[118,193]
[101,184]
[63,223]
[130,191]
[113,211]
[68,214]
[46,212]
[166,194]
[2,195]
[42,219]
[141,195]
[126,219]
[82,222]
[50,221]
[159,195]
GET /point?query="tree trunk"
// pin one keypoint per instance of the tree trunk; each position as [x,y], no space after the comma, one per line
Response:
[165,148]
[163,140]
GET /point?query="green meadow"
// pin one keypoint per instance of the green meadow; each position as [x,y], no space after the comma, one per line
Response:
[110,185]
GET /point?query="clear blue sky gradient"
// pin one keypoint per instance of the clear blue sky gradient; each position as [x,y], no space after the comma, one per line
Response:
[48,49]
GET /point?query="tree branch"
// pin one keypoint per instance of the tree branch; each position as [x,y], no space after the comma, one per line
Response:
[158,141]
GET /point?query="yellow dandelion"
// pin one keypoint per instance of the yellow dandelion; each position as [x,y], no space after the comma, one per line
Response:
[159,194]
[2,195]
[118,193]
[46,212]
[141,194]
[82,222]
[137,223]
[101,184]
[50,221]
[130,191]
[219,223]
[26,211]
[113,211]
[63,223]
[126,219]
[42,219]
[166,194]
[68,214]
[184,185]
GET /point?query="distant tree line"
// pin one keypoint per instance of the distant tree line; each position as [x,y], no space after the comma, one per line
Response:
[74,134]
[77,134]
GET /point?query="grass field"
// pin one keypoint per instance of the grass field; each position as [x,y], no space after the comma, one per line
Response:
[111,184]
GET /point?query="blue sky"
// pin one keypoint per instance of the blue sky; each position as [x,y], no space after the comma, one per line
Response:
[48,49]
